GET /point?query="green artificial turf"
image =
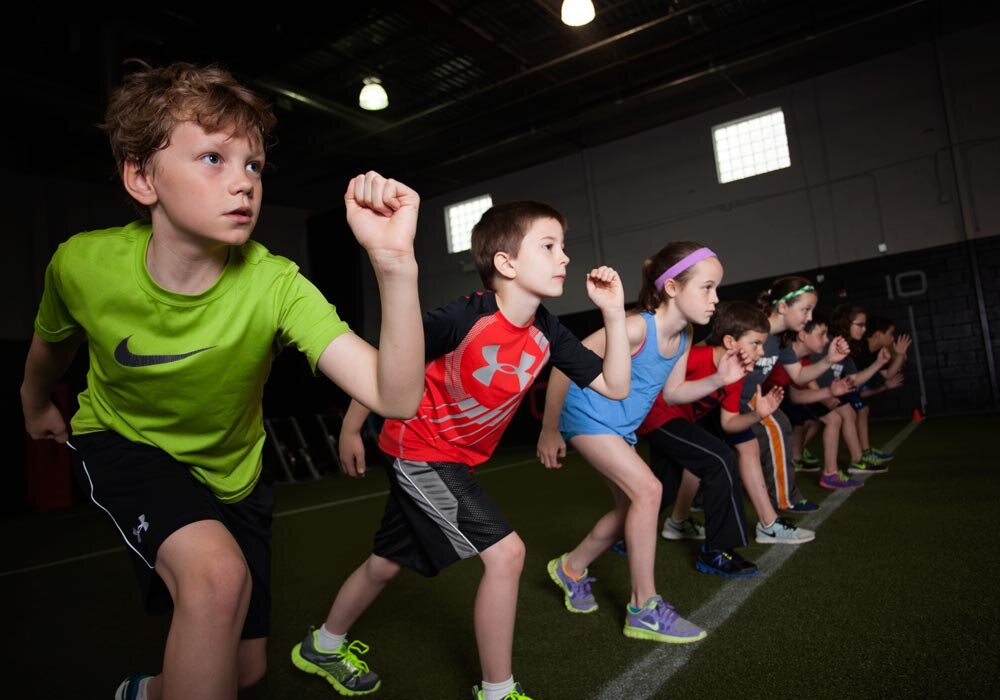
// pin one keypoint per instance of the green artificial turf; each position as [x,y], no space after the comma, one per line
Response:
[896,597]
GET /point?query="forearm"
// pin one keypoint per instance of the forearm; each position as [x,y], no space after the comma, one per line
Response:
[738,422]
[872,391]
[895,365]
[808,373]
[810,395]
[354,419]
[555,397]
[861,378]
[617,369]
[690,391]
[45,365]
[400,366]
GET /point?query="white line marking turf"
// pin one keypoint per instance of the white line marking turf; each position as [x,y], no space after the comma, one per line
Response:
[293,511]
[644,678]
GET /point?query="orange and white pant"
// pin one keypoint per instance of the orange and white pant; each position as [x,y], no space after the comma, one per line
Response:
[774,436]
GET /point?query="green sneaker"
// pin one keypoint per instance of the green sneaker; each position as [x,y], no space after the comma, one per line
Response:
[877,456]
[863,466]
[808,457]
[342,668]
[801,465]
[516,694]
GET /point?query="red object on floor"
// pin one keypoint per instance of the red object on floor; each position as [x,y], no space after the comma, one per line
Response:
[917,415]
[49,472]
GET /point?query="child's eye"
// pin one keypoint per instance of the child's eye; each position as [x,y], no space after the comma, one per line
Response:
[212,158]
[255,166]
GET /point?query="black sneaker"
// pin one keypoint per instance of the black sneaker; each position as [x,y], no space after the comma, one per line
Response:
[724,562]
[800,508]
[342,669]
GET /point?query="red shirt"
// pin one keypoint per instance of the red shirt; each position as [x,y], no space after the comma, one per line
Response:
[779,376]
[700,364]
[480,366]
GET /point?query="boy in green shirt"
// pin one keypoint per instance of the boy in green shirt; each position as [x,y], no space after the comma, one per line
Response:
[183,315]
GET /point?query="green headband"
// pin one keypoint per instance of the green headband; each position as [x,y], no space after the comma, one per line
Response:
[791,295]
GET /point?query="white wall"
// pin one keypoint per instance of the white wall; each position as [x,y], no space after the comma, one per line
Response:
[871,162]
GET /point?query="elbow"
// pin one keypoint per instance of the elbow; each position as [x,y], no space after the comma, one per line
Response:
[618,392]
[401,407]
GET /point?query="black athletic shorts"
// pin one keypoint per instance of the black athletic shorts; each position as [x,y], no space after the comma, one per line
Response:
[435,515]
[854,400]
[801,413]
[149,496]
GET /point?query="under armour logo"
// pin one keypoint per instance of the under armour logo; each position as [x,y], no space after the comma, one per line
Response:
[485,374]
[141,527]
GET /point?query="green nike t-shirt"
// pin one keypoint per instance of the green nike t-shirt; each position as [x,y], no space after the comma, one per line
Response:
[184,373]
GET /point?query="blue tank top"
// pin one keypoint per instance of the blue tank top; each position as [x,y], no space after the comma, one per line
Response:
[587,412]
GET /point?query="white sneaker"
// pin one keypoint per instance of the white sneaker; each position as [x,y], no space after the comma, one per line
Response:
[783,531]
[687,530]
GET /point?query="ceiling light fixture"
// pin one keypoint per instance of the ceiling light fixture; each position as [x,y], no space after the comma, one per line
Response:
[577,13]
[373,96]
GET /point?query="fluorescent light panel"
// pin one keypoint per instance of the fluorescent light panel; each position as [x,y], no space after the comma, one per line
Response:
[459,218]
[751,146]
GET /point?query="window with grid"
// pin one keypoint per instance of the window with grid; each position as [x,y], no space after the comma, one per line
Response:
[751,146]
[459,218]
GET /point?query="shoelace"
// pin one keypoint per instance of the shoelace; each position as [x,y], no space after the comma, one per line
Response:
[581,587]
[721,558]
[664,613]
[785,523]
[349,656]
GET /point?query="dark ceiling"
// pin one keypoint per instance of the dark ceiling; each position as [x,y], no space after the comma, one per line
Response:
[476,88]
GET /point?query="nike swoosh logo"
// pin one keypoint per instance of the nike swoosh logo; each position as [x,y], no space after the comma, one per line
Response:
[127,358]
[769,534]
[655,626]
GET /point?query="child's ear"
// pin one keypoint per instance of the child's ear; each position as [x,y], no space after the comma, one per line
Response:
[671,288]
[138,184]
[728,342]
[503,263]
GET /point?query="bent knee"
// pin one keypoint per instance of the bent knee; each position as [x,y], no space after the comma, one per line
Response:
[508,553]
[647,492]
[381,569]
[217,587]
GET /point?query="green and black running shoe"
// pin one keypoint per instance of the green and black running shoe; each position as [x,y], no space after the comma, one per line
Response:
[342,669]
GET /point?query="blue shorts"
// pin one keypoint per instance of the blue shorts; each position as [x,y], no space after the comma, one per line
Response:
[568,435]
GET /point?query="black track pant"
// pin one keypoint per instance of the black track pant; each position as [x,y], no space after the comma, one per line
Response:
[679,445]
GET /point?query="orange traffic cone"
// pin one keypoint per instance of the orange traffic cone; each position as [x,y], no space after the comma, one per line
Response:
[917,415]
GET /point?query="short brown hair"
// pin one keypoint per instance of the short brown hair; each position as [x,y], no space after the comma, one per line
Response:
[651,296]
[736,318]
[501,230]
[150,102]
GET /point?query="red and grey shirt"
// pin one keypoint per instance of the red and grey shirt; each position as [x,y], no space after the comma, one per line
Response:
[700,364]
[479,368]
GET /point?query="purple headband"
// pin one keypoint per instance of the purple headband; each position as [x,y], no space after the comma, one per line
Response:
[677,268]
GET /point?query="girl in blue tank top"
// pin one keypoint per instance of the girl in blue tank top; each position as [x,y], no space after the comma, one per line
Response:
[678,288]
